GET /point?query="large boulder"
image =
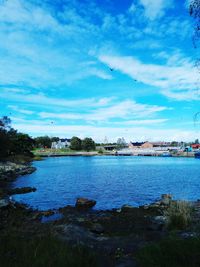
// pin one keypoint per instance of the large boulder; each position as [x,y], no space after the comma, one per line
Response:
[84,203]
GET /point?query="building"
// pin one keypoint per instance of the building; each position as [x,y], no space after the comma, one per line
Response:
[62,143]
[137,145]
[161,144]
[195,146]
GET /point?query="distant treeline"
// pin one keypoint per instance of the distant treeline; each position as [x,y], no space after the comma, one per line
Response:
[12,142]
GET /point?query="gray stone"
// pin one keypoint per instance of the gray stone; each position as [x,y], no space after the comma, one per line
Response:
[127,207]
[97,228]
[4,203]
[75,234]
[84,203]
[166,199]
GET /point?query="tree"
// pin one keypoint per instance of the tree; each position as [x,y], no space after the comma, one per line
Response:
[88,144]
[13,143]
[4,140]
[196,141]
[43,141]
[195,13]
[75,143]
[121,142]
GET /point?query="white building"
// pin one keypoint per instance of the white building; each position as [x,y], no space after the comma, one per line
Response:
[62,143]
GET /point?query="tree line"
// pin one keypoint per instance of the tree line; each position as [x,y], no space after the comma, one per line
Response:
[87,144]
[12,142]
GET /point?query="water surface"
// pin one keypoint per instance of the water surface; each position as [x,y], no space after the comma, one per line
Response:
[111,181]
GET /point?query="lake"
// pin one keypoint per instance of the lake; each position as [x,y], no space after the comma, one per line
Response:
[111,181]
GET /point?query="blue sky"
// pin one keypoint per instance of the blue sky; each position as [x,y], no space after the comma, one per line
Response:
[56,60]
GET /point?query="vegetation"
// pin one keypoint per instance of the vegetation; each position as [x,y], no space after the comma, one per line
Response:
[88,144]
[75,143]
[179,215]
[13,143]
[42,251]
[195,13]
[45,141]
[172,252]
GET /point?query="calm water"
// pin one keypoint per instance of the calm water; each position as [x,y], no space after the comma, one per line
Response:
[111,181]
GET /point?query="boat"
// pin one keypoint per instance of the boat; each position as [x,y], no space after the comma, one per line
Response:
[197,154]
[166,154]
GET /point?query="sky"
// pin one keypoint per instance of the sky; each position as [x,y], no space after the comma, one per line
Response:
[101,68]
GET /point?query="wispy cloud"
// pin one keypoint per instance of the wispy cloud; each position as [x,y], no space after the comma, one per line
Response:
[177,75]
[20,110]
[42,99]
[122,110]
[99,133]
[156,9]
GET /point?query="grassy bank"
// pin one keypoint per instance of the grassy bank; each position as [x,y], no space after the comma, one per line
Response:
[18,251]
[172,252]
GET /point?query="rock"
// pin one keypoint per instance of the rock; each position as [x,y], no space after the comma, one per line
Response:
[22,190]
[84,203]
[4,203]
[187,235]
[47,213]
[75,234]
[158,222]
[166,199]
[80,220]
[97,228]
[127,208]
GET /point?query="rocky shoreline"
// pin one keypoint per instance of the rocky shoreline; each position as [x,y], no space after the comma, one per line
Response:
[114,235]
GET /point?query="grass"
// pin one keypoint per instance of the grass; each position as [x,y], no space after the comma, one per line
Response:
[179,215]
[17,251]
[172,252]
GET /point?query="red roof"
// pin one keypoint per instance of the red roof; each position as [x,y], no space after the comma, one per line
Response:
[195,145]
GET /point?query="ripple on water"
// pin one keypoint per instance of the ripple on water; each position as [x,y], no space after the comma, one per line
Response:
[111,181]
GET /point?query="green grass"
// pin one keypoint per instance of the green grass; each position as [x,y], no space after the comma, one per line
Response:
[172,252]
[179,215]
[47,251]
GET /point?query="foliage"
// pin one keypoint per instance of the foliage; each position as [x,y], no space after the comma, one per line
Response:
[88,144]
[121,142]
[75,143]
[43,251]
[100,151]
[171,252]
[179,215]
[45,141]
[195,13]
[13,143]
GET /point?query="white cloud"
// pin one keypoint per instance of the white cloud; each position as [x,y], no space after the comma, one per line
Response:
[126,109]
[99,133]
[156,8]
[20,110]
[42,99]
[177,75]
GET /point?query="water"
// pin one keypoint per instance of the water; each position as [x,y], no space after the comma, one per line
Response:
[111,181]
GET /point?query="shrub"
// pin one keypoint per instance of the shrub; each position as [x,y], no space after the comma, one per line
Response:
[178,215]
[172,252]
[17,251]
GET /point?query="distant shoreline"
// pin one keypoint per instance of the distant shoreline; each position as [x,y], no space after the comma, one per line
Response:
[78,154]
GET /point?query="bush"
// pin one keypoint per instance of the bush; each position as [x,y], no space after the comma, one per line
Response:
[172,252]
[16,251]
[178,215]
